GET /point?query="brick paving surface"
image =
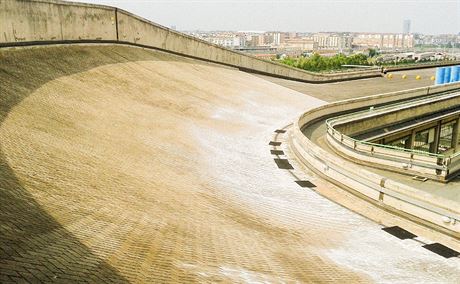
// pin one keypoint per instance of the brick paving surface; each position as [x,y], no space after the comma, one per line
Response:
[125,165]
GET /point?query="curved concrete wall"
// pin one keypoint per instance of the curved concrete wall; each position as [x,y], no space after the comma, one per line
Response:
[390,194]
[406,161]
[374,120]
[28,21]
[47,21]
[388,159]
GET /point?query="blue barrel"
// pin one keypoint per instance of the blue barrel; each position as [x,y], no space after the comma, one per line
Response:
[446,75]
[455,74]
[440,75]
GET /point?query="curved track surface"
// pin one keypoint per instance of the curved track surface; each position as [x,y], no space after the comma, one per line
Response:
[120,164]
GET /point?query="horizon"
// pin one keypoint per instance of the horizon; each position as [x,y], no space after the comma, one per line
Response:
[427,17]
[311,32]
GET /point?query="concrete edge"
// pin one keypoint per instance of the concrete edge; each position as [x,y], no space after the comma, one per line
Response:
[251,64]
[358,74]
[247,70]
[433,166]
[422,66]
[441,214]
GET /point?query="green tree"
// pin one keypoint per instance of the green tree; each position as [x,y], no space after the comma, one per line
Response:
[318,63]
[372,52]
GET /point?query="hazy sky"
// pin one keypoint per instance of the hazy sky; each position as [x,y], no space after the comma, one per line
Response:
[429,17]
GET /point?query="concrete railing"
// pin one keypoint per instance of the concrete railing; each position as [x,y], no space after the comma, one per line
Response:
[363,122]
[407,161]
[53,21]
[421,65]
[386,157]
[454,162]
[433,211]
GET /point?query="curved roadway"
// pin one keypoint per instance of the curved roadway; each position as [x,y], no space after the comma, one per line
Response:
[120,164]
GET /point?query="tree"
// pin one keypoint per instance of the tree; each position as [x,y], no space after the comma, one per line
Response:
[317,62]
[372,52]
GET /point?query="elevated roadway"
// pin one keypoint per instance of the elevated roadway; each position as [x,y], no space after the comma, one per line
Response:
[121,164]
[449,191]
[365,87]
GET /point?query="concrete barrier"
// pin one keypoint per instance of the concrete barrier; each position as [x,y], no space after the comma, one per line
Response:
[417,205]
[406,161]
[31,21]
[368,121]
[421,65]
[54,21]
[388,159]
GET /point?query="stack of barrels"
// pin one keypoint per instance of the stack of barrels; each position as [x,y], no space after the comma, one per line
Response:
[446,75]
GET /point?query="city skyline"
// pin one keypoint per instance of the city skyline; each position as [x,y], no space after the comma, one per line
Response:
[427,17]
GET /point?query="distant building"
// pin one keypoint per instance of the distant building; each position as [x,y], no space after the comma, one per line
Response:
[383,41]
[292,35]
[255,40]
[298,45]
[406,27]
[443,39]
[226,41]
[366,40]
[274,38]
[330,41]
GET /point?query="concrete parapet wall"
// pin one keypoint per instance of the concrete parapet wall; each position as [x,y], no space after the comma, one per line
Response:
[374,120]
[47,21]
[422,65]
[433,211]
[406,161]
[388,159]
[356,103]
[22,21]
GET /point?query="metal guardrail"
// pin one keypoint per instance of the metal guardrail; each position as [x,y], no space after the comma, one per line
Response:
[441,214]
[355,142]
[439,165]
[373,186]
[417,161]
[378,187]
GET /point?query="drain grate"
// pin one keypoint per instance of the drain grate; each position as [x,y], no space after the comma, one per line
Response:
[399,232]
[283,164]
[442,250]
[276,152]
[305,183]
[273,143]
[280,131]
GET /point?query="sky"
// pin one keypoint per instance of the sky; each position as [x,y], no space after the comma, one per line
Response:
[428,17]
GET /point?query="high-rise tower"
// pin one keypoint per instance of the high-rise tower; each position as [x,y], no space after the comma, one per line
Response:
[406,27]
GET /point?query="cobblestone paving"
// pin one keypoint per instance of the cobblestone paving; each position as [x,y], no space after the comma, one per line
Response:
[125,165]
